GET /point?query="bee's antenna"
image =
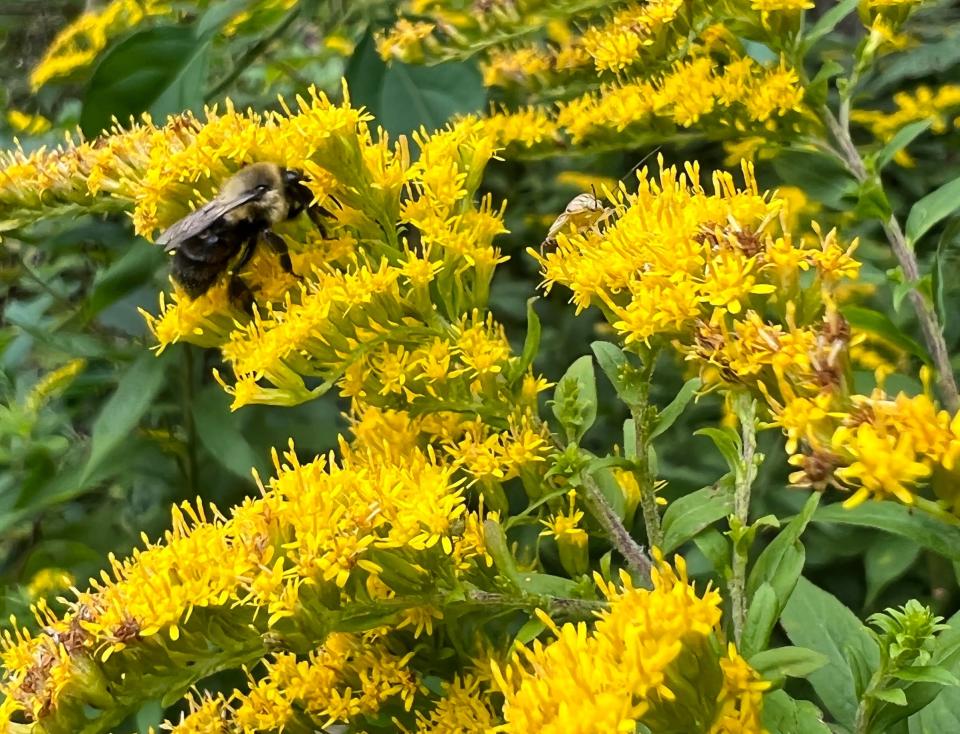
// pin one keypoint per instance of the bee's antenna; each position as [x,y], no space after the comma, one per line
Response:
[640,162]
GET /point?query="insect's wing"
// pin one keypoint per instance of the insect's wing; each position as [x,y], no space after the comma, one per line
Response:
[196,222]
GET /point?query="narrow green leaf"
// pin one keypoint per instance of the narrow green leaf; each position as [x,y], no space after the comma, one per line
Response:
[123,411]
[896,696]
[715,547]
[688,515]
[827,22]
[893,517]
[761,617]
[496,543]
[928,674]
[905,135]
[610,489]
[784,662]
[816,620]
[781,562]
[931,209]
[946,289]
[547,585]
[880,324]
[218,432]
[624,377]
[531,343]
[668,416]
[727,442]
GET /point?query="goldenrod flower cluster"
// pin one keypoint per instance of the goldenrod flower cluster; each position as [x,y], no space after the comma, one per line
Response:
[938,105]
[631,75]
[329,578]
[716,275]
[78,46]
[637,665]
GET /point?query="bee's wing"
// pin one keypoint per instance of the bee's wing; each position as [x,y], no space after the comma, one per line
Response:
[196,222]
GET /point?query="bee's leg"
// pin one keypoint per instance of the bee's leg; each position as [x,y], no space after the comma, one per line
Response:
[239,293]
[279,246]
[316,214]
[246,252]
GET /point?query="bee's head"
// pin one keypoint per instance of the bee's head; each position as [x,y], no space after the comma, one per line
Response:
[294,186]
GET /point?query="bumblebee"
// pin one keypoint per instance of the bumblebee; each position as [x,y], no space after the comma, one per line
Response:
[222,235]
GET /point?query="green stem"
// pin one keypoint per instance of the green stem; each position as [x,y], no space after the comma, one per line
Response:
[929,322]
[563,607]
[252,54]
[643,416]
[746,408]
[634,553]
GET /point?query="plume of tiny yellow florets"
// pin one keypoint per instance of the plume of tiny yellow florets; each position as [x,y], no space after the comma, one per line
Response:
[618,674]
[349,676]
[318,526]
[78,45]
[938,105]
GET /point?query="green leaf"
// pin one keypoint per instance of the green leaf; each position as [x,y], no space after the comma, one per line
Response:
[727,442]
[547,585]
[880,324]
[940,716]
[668,416]
[688,515]
[136,73]
[496,544]
[761,617]
[610,489]
[715,547]
[827,22]
[946,287]
[905,135]
[784,715]
[624,377]
[885,561]
[896,696]
[530,631]
[926,60]
[787,662]
[630,439]
[822,177]
[531,344]
[575,398]
[781,562]
[931,209]
[898,519]
[928,674]
[816,620]
[122,412]
[134,268]
[428,95]
[220,435]
[872,202]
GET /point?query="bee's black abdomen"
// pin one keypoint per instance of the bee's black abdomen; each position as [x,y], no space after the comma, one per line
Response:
[193,276]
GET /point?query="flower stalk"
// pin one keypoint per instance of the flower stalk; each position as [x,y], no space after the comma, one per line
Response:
[746,472]
[634,553]
[929,322]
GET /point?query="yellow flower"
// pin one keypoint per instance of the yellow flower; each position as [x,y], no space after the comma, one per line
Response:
[611,677]
[884,465]
[465,708]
